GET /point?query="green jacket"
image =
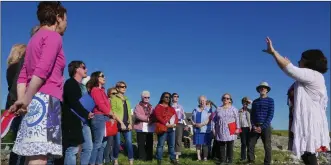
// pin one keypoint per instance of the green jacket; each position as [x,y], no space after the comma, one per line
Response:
[118,109]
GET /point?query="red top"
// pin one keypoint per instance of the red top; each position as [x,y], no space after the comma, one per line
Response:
[102,104]
[163,114]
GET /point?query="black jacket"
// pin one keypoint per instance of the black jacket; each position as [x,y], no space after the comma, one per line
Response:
[12,74]
[71,124]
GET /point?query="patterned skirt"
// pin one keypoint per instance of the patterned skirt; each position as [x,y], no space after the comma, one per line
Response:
[40,131]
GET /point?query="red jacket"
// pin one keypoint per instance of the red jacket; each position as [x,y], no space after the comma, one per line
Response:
[163,114]
[102,104]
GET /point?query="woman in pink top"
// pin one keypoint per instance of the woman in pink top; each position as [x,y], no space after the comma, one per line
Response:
[40,88]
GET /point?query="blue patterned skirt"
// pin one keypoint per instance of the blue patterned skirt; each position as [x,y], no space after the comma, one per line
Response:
[40,131]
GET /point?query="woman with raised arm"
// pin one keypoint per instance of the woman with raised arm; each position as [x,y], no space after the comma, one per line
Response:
[310,126]
[40,88]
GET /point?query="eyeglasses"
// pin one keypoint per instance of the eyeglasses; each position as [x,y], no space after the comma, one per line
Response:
[225,98]
[146,97]
[122,86]
[83,67]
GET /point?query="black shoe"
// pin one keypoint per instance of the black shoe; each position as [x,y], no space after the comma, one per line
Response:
[174,162]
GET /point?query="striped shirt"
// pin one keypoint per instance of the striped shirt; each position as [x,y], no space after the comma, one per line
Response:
[262,112]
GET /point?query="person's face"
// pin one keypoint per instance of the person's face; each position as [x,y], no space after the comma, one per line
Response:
[62,24]
[175,98]
[82,71]
[113,92]
[122,88]
[245,104]
[166,98]
[102,79]
[226,99]
[263,90]
[202,101]
[145,98]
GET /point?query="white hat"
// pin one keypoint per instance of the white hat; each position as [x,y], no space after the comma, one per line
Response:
[85,80]
[263,84]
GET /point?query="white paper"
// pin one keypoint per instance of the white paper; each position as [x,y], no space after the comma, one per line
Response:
[172,121]
[148,127]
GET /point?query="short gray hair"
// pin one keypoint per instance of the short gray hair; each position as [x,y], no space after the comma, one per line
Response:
[144,93]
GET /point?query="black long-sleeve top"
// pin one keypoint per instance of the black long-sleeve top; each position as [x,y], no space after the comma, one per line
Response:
[71,123]
[12,75]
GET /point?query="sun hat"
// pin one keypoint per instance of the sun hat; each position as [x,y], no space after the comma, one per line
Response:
[263,84]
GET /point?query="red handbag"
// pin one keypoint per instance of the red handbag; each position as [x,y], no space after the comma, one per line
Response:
[111,128]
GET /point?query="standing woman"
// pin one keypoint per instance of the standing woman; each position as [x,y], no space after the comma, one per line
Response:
[310,126]
[40,88]
[101,115]
[180,126]
[246,127]
[200,120]
[108,152]
[166,120]
[122,109]
[142,114]
[225,115]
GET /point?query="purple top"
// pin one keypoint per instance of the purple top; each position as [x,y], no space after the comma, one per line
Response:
[180,112]
[45,59]
[221,120]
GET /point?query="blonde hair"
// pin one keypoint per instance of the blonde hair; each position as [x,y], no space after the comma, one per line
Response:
[16,53]
[34,30]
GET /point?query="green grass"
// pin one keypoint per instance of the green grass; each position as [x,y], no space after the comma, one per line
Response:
[280,132]
[188,157]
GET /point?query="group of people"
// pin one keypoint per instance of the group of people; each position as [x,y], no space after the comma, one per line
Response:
[52,121]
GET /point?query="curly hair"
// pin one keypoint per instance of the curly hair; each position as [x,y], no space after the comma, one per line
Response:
[314,59]
[48,11]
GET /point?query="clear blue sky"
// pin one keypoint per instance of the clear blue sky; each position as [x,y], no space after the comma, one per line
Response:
[191,48]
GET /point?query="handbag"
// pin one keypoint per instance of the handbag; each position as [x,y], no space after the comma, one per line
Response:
[111,128]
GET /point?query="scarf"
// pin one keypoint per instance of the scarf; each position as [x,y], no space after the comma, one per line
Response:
[147,108]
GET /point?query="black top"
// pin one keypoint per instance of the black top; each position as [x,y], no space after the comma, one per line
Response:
[12,74]
[71,123]
[125,115]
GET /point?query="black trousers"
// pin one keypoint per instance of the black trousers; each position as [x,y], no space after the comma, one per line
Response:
[145,145]
[226,151]
[215,151]
[309,158]
[266,139]
[244,138]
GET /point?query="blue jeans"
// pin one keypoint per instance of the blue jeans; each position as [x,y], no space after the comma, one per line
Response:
[128,144]
[70,155]
[108,152]
[87,146]
[99,140]
[170,137]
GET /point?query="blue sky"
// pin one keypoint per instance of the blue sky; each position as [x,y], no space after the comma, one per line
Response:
[192,48]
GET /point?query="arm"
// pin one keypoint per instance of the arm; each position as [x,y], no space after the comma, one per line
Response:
[236,116]
[253,114]
[140,114]
[72,96]
[52,45]
[205,122]
[21,82]
[99,102]
[303,75]
[270,114]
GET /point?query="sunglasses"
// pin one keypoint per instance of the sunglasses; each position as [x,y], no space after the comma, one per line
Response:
[113,93]
[122,86]
[176,96]
[226,98]
[146,97]
[83,67]
[103,76]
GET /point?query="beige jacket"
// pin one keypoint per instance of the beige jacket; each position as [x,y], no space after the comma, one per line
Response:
[248,117]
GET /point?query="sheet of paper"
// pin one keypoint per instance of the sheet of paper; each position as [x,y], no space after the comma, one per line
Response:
[148,127]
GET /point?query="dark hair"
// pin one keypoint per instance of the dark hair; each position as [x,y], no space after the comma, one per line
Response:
[174,94]
[94,80]
[314,59]
[162,96]
[72,67]
[48,11]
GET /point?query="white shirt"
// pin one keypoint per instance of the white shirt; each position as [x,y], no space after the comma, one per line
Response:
[310,126]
